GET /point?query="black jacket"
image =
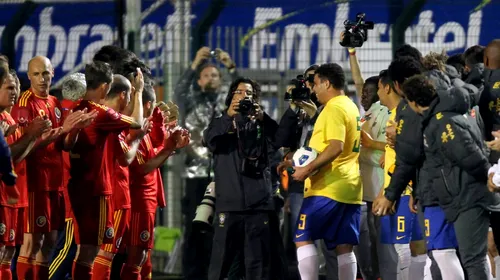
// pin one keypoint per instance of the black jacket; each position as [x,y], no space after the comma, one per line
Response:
[235,191]
[455,152]
[409,151]
[489,107]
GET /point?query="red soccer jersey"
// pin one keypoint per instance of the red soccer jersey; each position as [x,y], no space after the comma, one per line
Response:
[19,168]
[45,164]
[67,106]
[115,147]
[143,188]
[91,170]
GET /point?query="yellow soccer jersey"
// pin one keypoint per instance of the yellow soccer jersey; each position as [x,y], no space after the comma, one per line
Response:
[390,158]
[340,180]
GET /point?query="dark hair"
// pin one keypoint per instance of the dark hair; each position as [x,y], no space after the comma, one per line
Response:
[474,55]
[403,68]
[457,61]
[148,93]
[203,67]
[234,86]
[372,81]
[384,78]
[333,73]
[408,50]
[313,67]
[98,73]
[3,75]
[419,89]
[119,85]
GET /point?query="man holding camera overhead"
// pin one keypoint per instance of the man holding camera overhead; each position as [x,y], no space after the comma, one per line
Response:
[240,140]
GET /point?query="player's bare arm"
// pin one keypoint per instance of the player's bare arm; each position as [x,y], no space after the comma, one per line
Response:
[331,152]
[21,148]
[179,138]
[137,112]
[133,140]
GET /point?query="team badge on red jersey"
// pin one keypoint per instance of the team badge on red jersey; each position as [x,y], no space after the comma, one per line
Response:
[12,235]
[3,228]
[57,112]
[145,236]
[41,221]
[110,232]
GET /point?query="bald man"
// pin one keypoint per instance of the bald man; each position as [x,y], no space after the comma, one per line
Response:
[44,169]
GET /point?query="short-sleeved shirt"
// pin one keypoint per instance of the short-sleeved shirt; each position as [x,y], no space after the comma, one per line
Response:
[19,168]
[90,169]
[373,122]
[390,158]
[143,187]
[44,164]
[116,146]
[340,179]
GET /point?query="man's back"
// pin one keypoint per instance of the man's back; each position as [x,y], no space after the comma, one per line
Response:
[339,180]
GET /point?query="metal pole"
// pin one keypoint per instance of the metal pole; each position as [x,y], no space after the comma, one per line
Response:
[133,25]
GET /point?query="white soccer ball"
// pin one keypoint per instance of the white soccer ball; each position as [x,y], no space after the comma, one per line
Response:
[304,156]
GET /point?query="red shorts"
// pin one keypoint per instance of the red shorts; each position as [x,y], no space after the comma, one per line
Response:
[93,220]
[141,229]
[11,226]
[46,211]
[121,219]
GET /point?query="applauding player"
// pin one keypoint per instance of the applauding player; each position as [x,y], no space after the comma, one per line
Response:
[144,189]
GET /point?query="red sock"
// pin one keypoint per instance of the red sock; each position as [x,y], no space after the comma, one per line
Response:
[5,272]
[131,272]
[42,271]
[25,268]
[81,271]
[102,268]
[147,269]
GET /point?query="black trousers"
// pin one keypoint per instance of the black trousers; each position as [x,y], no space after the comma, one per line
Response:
[247,236]
[197,245]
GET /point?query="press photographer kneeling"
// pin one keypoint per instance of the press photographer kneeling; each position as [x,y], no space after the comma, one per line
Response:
[240,141]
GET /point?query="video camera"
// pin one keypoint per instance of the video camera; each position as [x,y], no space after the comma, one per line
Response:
[356,32]
[300,92]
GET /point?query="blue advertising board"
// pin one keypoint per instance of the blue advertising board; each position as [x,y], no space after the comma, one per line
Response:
[281,35]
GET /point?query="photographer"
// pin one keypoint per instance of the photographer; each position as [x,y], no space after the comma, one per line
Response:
[199,97]
[240,140]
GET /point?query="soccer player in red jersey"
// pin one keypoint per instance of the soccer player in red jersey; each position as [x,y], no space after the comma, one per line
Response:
[121,149]
[144,190]
[74,88]
[44,167]
[90,185]
[12,210]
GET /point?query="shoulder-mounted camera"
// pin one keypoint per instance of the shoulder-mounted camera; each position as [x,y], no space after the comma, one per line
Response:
[356,32]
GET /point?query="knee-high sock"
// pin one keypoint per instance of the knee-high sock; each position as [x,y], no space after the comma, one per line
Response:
[307,256]
[449,264]
[348,266]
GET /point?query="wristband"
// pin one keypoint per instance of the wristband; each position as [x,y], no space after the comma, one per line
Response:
[352,51]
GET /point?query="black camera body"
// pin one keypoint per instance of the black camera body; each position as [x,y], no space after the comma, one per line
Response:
[356,32]
[246,106]
[300,92]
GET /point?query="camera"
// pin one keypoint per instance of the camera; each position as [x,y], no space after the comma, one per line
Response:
[356,31]
[205,211]
[215,53]
[246,106]
[300,92]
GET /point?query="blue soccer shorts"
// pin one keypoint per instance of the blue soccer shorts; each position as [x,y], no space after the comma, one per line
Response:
[402,227]
[324,218]
[439,233]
